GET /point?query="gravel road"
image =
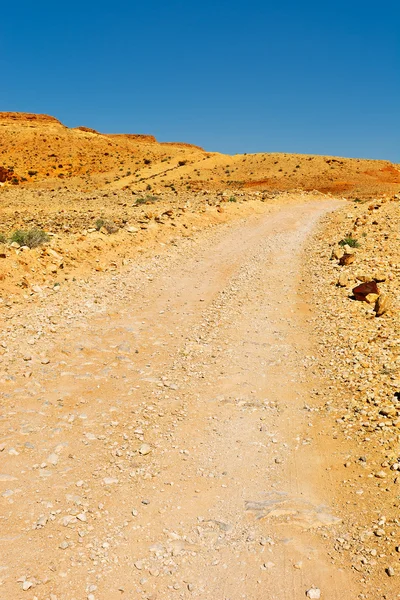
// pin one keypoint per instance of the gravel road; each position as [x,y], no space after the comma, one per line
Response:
[160,449]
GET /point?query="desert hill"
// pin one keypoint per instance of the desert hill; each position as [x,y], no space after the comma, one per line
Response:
[39,151]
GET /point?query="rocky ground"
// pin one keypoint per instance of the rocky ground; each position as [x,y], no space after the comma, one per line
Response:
[103,232]
[195,424]
[199,373]
[358,358]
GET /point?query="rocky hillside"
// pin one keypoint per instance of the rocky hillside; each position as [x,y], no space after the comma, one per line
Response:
[38,150]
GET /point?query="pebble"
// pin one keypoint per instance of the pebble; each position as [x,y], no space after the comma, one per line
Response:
[110,480]
[27,585]
[53,459]
[390,571]
[314,593]
[63,545]
[144,449]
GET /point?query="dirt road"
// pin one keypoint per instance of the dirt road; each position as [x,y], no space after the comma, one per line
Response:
[163,450]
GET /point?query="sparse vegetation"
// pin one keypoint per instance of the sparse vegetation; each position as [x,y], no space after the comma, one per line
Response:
[109,226]
[3,238]
[349,241]
[32,237]
[99,224]
[145,200]
[232,199]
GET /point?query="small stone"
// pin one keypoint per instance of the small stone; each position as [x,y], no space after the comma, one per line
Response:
[27,585]
[347,259]
[82,517]
[390,571]
[380,474]
[382,305]
[144,449]
[139,565]
[45,361]
[41,522]
[63,545]
[110,480]
[371,298]
[53,459]
[313,593]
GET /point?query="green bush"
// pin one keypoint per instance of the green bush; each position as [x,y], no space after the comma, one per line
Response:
[32,237]
[349,241]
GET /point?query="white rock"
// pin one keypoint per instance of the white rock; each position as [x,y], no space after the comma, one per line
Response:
[144,449]
[313,593]
[27,585]
[53,459]
[110,480]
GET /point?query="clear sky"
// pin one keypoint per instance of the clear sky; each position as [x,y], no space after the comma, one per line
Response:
[232,76]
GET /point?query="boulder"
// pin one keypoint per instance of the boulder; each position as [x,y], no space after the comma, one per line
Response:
[364,289]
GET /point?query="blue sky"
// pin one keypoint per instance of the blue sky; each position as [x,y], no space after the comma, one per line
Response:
[283,76]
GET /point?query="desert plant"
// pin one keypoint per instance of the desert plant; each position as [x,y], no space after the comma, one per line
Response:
[32,237]
[349,241]
[232,199]
[109,226]
[3,238]
[99,224]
